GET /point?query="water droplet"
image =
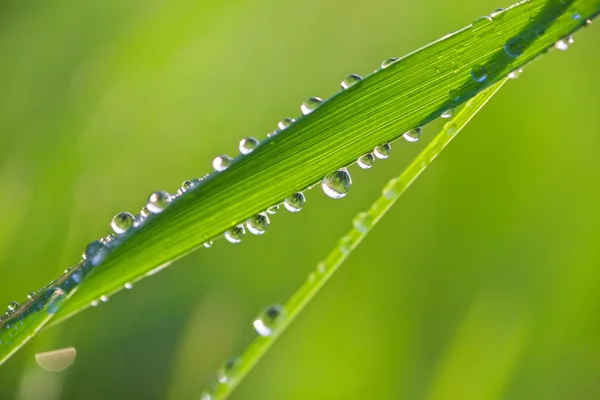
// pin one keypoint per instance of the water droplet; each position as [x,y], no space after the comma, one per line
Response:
[482,25]
[56,360]
[273,209]
[12,306]
[382,152]
[31,296]
[337,184]
[121,222]
[561,45]
[362,222]
[55,301]
[454,94]
[92,249]
[158,201]
[235,234]
[227,372]
[366,161]
[145,213]
[247,145]
[128,286]
[450,128]
[295,202]
[94,303]
[187,185]
[413,135]
[258,224]
[497,14]
[576,16]
[104,298]
[350,80]
[447,114]
[391,190]
[221,163]
[514,47]
[269,320]
[208,244]
[479,73]
[310,105]
[345,245]
[206,395]
[67,270]
[515,74]
[287,122]
[388,62]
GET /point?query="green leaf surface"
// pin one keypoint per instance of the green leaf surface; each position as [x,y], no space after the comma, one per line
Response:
[410,92]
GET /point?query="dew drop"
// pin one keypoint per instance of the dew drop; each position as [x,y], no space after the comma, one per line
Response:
[258,224]
[388,62]
[235,234]
[345,245]
[221,163]
[350,80]
[287,122]
[31,296]
[187,185]
[247,145]
[382,152]
[158,201]
[450,128]
[482,25]
[515,74]
[514,47]
[295,202]
[104,298]
[145,213]
[269,320]
[362,222]
[94,303]
[273,209]
[56,360]
[208,244]
[497,14]
[55,301]
[447,114]
[92,249]
[310,105]
[206,395]
[479,73]
[337,184]
[121,222]
[576,16]
[454,94]
[413,135]
[561,45]
[227,372]
[12,306]
[366,161]
[128,285]
[391,190]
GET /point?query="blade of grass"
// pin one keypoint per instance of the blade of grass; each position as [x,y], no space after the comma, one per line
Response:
[362,225]
[409,92]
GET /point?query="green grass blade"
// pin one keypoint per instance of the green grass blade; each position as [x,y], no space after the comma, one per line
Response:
[410,92]
[362,225]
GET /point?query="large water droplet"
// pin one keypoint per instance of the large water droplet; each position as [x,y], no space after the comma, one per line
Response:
[221,163]
[287,122]
[479,73]
[362,222]
[337,184]
[258,224]
[121,222]
[388,62]
[235,234]
[158,201]
[382,152]
[413,135]
[247,145]
[56,360]
[350,80]
[514,47]
[295,202]
[227,372]
[92,249]
[366,161]
[12,306]
[310,105]
[269,320]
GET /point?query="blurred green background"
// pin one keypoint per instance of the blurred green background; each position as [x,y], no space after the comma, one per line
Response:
[482,283]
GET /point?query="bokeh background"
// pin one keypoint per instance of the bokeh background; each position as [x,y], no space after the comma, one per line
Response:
[482,283]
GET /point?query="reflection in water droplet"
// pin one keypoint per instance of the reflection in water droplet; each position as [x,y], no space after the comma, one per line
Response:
[56,360]
[158,201]
[227,372]
[286,122]
[479,73]
[269,320]
[350,80]
[382,152]
[258,224]
[388,62]
[121,222]
[235,234]
[295,202]
[310,105]
[413,135]
[366,161]
[247,145]
[337,184]
[362,222]
[221,163]
[447,114]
